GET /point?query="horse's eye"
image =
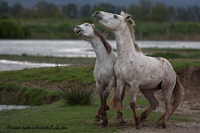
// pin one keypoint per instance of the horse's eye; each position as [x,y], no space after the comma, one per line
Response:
[86,24]
[115,16]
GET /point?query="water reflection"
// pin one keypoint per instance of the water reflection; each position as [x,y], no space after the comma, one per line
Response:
[7,65]
[76,48]
[67,48]
[10,107]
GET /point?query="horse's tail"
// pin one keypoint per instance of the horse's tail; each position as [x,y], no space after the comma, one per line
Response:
[113,101]
[176,97]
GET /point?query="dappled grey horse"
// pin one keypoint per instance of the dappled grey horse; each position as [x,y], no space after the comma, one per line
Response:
[103,71]
[138,71]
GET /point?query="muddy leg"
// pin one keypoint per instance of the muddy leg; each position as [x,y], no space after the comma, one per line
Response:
[100,90]
[167,89]
[168,109]
[120,88]
[149,94]
[134,91]
[105,107]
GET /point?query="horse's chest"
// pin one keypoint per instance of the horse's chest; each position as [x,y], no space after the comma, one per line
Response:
[102,75]
[122,72]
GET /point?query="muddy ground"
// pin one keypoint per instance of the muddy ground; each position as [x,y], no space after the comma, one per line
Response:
[189,107]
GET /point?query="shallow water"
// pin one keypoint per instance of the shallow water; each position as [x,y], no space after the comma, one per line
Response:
[10,107]
[67,48]
[76,48]
[8,65]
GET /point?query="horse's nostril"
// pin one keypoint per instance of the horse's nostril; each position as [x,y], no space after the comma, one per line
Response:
[97,12]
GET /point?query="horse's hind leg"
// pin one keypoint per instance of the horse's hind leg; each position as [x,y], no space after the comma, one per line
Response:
[100,90]
[149,94]
[134,91]
[167,89]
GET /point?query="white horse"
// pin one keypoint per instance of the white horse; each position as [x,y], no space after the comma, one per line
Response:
[139,71]
[104,66]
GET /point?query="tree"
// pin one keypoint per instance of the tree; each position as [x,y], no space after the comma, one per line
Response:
[44,9]
[85,11]
[182,14]
[4,8]
[71,10]
[160,13]
[142,11]
[105,7]
[132,9]
[119,9]
[41,10]
[15,9]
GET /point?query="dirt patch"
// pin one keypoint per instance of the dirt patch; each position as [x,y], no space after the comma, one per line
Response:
[190,106]
[190,79]
[172,127]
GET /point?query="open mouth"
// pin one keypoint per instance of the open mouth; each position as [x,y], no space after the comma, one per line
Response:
[78,31]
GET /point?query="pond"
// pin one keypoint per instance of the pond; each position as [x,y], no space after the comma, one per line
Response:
[10,107]
[67,48]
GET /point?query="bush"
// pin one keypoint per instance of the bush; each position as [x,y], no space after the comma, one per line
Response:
[4,16]
[78,94]
[10,30]
[11,93]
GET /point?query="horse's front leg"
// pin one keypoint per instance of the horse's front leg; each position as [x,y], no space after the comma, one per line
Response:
[119,98]
[100,89]
[134,91]
[105,106]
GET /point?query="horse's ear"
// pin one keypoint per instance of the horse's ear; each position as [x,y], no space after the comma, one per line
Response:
[122,13]
[129,19]
[128,16]
[93,26]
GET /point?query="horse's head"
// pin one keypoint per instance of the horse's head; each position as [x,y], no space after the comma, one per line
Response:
[85,30]
[112,21]
[88,31]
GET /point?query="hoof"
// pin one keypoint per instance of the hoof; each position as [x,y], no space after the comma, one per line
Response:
[122,123]
[102,126]
[163,126]
[119,120]
[96,119]
[107,108]
[142,123]
[139,126]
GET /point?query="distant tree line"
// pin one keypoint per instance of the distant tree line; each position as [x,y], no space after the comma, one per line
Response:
[144,11]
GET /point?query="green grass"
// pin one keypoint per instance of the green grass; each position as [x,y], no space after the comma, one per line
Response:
[83,74]
[53,77]
[49,59]
[182,63]
[75,118]
[173,53]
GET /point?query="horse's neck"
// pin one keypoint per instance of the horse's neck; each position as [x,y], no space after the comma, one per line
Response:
[99,49]
[125,44]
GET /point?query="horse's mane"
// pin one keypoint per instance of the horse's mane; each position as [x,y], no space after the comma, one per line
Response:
[131,23]
[105,43]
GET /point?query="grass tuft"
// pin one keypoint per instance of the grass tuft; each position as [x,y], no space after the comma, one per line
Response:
[78,94]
